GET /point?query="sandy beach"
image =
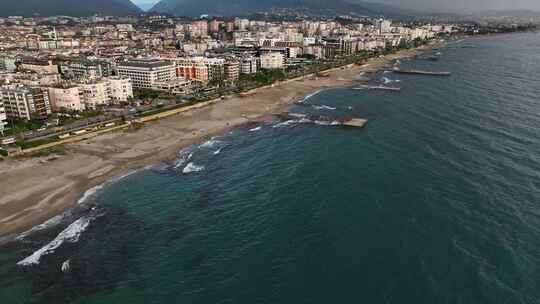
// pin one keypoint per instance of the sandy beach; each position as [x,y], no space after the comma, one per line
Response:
[33,190]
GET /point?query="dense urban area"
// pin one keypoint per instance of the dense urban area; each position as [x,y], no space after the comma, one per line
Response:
[62,77]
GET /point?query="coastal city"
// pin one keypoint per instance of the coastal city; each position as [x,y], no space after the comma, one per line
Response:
[62,77]
[269,151]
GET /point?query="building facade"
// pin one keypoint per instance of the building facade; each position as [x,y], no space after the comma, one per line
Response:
[147,74]
[272,60]
[121,89]
[66,98]
[21,102]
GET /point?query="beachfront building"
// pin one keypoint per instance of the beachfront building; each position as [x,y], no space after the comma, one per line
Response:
[3,118]
[272,60]
[67,97]
[96,93]
[201,68]
[147,73]
[121,88]
[193,68]
[232,71]
[249,65]
[21,102]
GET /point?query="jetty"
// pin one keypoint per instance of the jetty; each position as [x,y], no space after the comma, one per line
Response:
[420,72]
[377,87]
[356,122]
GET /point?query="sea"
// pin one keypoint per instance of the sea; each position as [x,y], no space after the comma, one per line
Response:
[436,200]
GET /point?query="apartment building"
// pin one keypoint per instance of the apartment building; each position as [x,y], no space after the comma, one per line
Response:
[67,97]
[147,74]
[121,89]
[21,102]
[3,118]
[272,60]
[87,69]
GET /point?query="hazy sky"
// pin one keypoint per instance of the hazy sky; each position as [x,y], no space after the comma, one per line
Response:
[444,4]
[466,4]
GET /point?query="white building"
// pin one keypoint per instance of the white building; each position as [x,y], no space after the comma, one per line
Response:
[249,65]
[272,60]
[3,117]
[147,74]
[96,93]
[121,89]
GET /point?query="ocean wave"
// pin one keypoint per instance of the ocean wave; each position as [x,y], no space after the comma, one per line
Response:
[191,167]
[310,95]
[71,235]
[255,129]
[324,107]
[89,193]
[47,224]
[218,151]
[286,123]
[212,142]
[92,191]
[387,80]
[182,159]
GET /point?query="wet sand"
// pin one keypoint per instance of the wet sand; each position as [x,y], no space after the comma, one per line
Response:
[35,189]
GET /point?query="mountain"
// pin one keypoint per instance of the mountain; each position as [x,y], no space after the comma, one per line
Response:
[242,7]
[67,7]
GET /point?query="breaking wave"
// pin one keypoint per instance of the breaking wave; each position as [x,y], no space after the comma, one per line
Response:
[324,107]
[210,143]
[255,129]
[309,96]
[387,80]
[71,235]
[286,123]
[191,167]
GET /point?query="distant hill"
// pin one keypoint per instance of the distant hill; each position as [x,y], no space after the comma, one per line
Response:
[67,7]
[240,7]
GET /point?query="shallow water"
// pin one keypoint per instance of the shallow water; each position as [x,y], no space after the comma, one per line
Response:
[437,200]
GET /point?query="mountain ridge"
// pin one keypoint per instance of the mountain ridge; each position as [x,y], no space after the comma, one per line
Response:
[239,7]
[67,7]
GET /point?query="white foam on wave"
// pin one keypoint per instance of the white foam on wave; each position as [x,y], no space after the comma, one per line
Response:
[92,191]
[210,143]
[387,80]
[218,151]
[286,123]
[191,167]
[47,224]
[71,235]
[324,107]
[183,158]
[255,129]
[309,96]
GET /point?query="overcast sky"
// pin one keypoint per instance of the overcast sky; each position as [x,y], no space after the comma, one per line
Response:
[466,4]
[443,4]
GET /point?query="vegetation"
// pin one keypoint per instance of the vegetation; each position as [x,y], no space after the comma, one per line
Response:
[17,126]
[24,144]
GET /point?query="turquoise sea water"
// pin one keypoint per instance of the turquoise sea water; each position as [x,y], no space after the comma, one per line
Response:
[437,200]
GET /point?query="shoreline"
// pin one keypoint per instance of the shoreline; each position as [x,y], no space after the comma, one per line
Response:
[37,189]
